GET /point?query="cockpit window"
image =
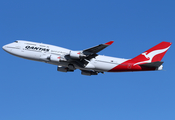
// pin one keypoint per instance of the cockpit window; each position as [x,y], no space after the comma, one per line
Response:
[16,41]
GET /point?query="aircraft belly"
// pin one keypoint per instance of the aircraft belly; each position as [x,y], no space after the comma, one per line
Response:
[65,64]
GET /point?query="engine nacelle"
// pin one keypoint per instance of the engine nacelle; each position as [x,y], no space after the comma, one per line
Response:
[76,54]
[88,73]
[55,58]
[64,69]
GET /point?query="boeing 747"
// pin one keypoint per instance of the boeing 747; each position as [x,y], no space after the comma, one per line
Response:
[87,60]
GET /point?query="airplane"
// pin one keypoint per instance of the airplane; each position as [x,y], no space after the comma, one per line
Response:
[87,60]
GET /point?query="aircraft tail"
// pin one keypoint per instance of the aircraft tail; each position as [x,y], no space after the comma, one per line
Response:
[154,54]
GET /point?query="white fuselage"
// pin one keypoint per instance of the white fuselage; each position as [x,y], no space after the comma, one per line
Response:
[49,54]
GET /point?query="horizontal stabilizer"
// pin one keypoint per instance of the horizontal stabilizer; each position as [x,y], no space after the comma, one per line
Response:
[152,64]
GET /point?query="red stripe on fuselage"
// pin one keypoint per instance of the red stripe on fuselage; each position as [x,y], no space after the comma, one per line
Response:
[129,66]
[126,66]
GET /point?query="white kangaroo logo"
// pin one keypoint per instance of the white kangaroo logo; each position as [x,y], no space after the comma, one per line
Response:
[151,55]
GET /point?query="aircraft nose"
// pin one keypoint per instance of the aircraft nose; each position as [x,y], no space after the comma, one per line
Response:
[6,48]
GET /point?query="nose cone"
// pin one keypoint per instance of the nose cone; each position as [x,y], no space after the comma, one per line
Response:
[3,47]
[6,48]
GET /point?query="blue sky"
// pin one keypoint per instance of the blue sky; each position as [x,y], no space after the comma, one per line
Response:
[32,90]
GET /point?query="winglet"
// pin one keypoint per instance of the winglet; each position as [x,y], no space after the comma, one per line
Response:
[109,43]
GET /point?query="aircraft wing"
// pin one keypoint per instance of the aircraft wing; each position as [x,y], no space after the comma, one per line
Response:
[89,53]
[96,49]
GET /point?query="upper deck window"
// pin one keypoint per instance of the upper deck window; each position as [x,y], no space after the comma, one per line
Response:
[16,41]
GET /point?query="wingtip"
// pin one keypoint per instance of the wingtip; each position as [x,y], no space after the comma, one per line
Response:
[109,43]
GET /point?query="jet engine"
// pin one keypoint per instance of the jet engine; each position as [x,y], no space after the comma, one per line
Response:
[55,58]
[76,54]
[88,73]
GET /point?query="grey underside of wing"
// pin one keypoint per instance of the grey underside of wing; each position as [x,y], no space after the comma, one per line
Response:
[95,49]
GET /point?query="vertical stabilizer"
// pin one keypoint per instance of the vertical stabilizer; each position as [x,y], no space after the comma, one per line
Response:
[154,54]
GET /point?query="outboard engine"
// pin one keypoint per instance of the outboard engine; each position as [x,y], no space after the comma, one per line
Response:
[76,54]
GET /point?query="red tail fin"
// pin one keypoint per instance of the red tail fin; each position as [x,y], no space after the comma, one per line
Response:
[154,54]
